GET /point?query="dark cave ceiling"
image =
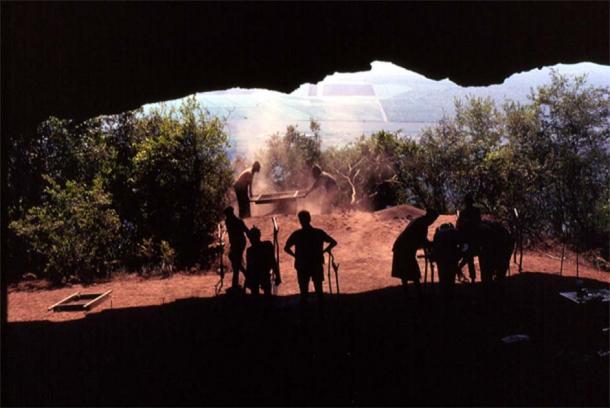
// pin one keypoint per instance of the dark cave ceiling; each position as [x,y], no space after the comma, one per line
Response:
[78,60]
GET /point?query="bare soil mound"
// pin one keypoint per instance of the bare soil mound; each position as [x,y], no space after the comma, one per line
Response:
[404,212]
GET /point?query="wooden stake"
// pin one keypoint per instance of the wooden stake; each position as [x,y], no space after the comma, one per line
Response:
[520,252]
[563,252]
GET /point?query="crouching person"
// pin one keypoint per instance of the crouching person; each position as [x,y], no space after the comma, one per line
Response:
[260,263]
[447,251]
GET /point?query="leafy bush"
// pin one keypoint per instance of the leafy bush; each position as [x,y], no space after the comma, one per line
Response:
[287,160]
[75,230]
[156,258]
[181,174]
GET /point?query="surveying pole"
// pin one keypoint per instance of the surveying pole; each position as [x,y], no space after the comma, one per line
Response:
[335,267]
[276,247]
[220,250]
[520,238]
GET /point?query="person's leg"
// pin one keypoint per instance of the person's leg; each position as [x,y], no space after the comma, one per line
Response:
[303,279]
[405,286]
[417,286]
[243,202]
[236,266]
[317,283]
[471,270]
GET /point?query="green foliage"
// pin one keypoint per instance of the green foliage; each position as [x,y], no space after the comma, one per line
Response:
[156,258]
[573,145]
[369,169]
[181,174]
[287,160]
[75,230]
[165,175]
[145,191]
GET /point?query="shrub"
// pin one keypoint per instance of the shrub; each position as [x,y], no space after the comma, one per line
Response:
[75,230]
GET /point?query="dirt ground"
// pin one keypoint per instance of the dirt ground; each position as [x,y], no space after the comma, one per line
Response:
[364,253]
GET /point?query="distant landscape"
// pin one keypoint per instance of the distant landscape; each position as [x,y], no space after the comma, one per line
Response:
[347,105]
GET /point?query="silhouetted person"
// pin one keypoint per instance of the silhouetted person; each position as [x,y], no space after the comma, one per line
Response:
[495,247]
[243,189]
[467,223]
[237,231]
[404,261]
[260,262]
[324,180]
[309,255]
[446,252]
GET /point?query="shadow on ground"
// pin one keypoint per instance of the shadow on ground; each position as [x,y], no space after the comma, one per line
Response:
[373,348]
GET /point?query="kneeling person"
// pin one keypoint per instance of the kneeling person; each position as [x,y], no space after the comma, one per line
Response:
[261,261]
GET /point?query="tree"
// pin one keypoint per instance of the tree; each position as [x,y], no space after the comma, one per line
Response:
[287,160]
[181,174]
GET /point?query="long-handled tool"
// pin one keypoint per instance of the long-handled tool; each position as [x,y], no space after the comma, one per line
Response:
[276,248]
[519,240]
[335,267]
[219,248]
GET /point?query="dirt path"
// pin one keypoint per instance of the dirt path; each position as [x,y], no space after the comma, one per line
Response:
[364,254]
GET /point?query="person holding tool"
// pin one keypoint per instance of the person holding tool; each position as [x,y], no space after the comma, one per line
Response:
[309,255]
[243,189]
[260,260]
[326,181]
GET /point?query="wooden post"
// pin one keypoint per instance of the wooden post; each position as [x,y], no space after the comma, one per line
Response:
[425,269]
[276,246]
[520,252]
[577,274]
[563,252]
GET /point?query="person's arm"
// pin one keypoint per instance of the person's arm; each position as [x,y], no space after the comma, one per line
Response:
[249,185]
[289,245]
[244,228]
[315,185]
[331,242]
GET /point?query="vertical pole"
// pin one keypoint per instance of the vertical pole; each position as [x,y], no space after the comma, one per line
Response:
[425,267]
[336,269]
[520,252]
[577,274]
[563,253]
[330,285]
[276,247]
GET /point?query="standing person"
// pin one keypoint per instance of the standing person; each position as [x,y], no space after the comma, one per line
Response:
[328,182]
[237,231]
[309,255]
[404,261]
[467,223]
[260,261]
[243,189]
[447,251]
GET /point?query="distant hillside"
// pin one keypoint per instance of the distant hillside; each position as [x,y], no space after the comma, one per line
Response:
[350,104]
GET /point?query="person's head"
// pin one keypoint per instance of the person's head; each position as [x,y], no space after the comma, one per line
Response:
[316,171]
[256,167]
[431,215]
[446,226]
[255,235]
[304,218]
[469,199]
[229,212]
